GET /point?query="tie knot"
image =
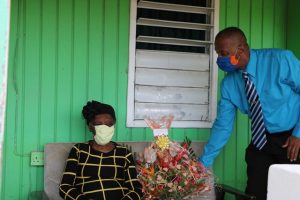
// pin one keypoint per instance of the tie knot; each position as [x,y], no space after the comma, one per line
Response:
[245,75]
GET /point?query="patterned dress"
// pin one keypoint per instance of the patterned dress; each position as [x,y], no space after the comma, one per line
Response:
[95,175]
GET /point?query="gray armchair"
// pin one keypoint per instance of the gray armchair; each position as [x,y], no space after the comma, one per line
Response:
[57,153]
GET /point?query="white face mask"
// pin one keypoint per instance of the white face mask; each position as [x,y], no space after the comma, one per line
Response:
[103,134]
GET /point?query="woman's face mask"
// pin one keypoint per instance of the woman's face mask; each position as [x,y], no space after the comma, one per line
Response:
[227,63]
[103,134]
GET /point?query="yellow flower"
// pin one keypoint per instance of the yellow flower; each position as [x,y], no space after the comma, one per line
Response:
[162,142]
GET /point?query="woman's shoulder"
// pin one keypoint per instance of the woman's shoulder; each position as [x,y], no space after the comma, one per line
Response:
[121,148]
[81,145]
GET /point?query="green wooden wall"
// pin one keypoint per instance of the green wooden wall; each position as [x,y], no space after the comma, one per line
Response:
[293,40]
[65,52]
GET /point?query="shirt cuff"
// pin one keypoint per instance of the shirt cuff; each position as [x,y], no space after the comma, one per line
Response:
[296,131]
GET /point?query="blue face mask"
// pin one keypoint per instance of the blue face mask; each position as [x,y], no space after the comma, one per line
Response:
[225,64]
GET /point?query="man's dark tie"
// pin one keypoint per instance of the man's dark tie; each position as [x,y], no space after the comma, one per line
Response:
[257,123]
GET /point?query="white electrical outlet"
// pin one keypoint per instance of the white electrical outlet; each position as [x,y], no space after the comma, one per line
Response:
[37,158]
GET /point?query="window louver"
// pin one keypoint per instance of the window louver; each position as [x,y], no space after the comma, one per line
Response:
[172,62]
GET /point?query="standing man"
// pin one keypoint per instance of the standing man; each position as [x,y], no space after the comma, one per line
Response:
[265,85]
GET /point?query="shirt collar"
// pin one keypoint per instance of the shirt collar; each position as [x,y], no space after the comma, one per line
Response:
[251,66]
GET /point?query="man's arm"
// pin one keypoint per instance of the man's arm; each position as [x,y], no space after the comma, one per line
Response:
[293,80]
[221,129]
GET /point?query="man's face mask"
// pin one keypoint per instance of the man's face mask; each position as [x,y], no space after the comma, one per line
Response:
[103,134]
[228,63]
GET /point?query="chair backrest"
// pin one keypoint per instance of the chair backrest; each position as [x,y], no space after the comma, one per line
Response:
[57,153]
[54,165]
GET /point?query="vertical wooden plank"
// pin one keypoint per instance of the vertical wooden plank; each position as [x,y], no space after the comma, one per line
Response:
[232,12]
[48,79]
[48,71]
[95,73]
[110,46]
[19,115]
[244,16]
[64,71]
[32,91]
[222,14]
[255,40]
[32,75]
[280,18]
[122,73]
[110,54]
[242,142]
[268,23]
[230,158]
[33,170]
[79,83]
[26,185]
[95,53]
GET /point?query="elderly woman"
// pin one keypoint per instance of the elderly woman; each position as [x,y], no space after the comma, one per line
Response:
[100,168]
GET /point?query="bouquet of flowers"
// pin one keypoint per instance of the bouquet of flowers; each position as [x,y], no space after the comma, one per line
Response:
[168,170]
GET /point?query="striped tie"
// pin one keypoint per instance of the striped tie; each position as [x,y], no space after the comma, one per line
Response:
[257,123]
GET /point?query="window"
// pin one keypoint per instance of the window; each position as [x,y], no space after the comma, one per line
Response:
[172,66]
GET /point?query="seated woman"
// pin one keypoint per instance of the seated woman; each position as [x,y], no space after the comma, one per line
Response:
[100,168]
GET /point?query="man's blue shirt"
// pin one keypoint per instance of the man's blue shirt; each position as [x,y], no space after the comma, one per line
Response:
[276,76]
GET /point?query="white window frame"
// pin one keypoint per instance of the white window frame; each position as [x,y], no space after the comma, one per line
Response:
[131,122]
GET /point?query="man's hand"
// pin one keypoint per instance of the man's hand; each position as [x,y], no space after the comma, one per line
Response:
[293,146]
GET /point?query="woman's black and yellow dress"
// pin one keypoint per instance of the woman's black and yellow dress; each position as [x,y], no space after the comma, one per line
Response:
[95,175]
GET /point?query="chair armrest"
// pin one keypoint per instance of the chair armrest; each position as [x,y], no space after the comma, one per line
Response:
[221,189]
